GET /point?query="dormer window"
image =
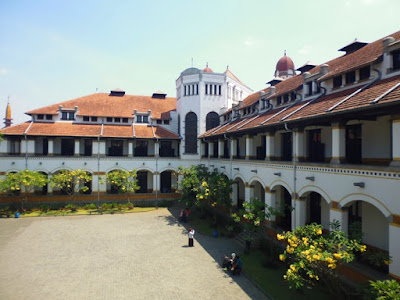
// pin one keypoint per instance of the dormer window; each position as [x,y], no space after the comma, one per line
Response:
[94,119]
[117,120]
[49,117]
[292,96]
[109,119]
[309,86]
[396,59]
[279,100]
[86,118]
[67,116]
[365,73]
[40,117]
[337,81]
[350,77]
[142,119]
[124,120]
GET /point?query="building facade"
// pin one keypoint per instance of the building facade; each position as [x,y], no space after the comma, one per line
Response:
[322,139]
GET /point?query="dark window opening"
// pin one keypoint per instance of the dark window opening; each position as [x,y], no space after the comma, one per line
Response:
[350,77]
[191,133]
[67,147]
[49,117]
[145,119]
[286,98]
[94,119]
[88,148]
[219,90]
[316,150]
[142,182]
[215,145]
[315,208]
[166,149]
[40,117]
[15,147]
[117,120]
[396,59]
[109,119]
[353,144]
[64,116]
[292,96]
[226,149]
[45,147]
[124,120]
[309,85]
[212,120]
[166,181]
[159,121]
[365,73]
[279,100]
[261,149]
[116,148]
[285,221]
[141,148]
[85,118]
[337,81]
[71,116]
[287,146]
[166,122]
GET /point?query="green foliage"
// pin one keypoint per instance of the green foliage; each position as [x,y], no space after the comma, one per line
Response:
[314,256]
[124,182]
[71,182]
[255,213]
[378,258]
[25,181]
[90,206]
[70,206]
[44,207]
[355,231]
[189,185]
[386,289]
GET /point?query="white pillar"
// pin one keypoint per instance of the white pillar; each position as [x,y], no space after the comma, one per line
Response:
[270,201]
[234,148]
[51,147]
[49,187]
[156,149]
[210,149]
[156,182]
[395,143]
[299,144]
[203,148]
[221,148]
[270,146]
[249,147]
[247,192]
[77,145]
[130,148]
[338,143]
[102,148]
[299,212]
[394,249]
[340,215]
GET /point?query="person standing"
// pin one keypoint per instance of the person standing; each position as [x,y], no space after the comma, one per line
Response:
[191,235]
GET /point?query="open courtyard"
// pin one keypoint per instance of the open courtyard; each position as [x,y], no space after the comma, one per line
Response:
[123,256]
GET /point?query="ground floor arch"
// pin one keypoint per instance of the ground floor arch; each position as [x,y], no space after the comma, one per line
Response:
[283,201]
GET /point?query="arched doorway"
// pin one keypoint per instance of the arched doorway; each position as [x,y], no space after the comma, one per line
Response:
[240,192]
[168,180]
[191,133]
[258,191]
[284,202]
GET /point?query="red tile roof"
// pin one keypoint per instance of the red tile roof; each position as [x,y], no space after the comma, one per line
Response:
[104,105]
[89,130]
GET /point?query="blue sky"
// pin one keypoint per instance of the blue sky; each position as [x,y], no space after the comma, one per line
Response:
[52,51]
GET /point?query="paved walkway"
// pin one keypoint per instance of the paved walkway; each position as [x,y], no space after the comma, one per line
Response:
[129,256]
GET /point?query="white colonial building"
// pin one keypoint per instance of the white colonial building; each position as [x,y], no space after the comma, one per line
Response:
[323,139]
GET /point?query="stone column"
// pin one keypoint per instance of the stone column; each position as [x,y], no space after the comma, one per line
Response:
[221,148]
[338,143]
[270,146]
[156,149]
[248,190]
[102,148]
[249,147]
[394,247]
[51,147]
[299,144]
[156,182]
[299,212]
[339,214]
[130,148]
[270,200]
[210,149]
[77,145]
[395,143]
[234,148]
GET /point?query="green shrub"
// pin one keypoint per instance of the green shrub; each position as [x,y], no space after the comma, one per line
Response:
[90,206]
[386,289]
[72,207]
[44,207]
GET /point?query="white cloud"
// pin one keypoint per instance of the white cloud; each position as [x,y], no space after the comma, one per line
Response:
[249,42]
[3,71]
[304,50]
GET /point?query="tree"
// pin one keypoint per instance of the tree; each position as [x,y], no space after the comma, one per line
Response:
[314,256]
[124,182]
[71,182]
[189,185]
[254,214]
[23,182]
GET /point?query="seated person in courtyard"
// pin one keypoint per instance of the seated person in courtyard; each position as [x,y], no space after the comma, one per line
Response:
[236,265]
[227,262]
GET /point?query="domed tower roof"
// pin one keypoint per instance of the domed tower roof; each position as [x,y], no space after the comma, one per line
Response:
[285,67]
[207,69]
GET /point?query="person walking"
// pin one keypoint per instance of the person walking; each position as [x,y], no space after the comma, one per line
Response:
[191,235]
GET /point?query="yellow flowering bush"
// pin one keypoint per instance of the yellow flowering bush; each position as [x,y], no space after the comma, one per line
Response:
[71,181]
[123,182]
[313,256]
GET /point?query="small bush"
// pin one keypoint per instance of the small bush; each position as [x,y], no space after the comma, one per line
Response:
[386,289]
[72,207]
[44,207]
[90,206]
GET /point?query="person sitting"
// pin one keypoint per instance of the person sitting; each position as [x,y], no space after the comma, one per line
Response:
[228,260]
[236,266]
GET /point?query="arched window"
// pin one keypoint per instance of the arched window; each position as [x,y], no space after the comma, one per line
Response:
[191,133]
[212,120]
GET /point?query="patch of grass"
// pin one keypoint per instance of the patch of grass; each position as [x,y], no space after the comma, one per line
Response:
[271,280]
[82,211]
